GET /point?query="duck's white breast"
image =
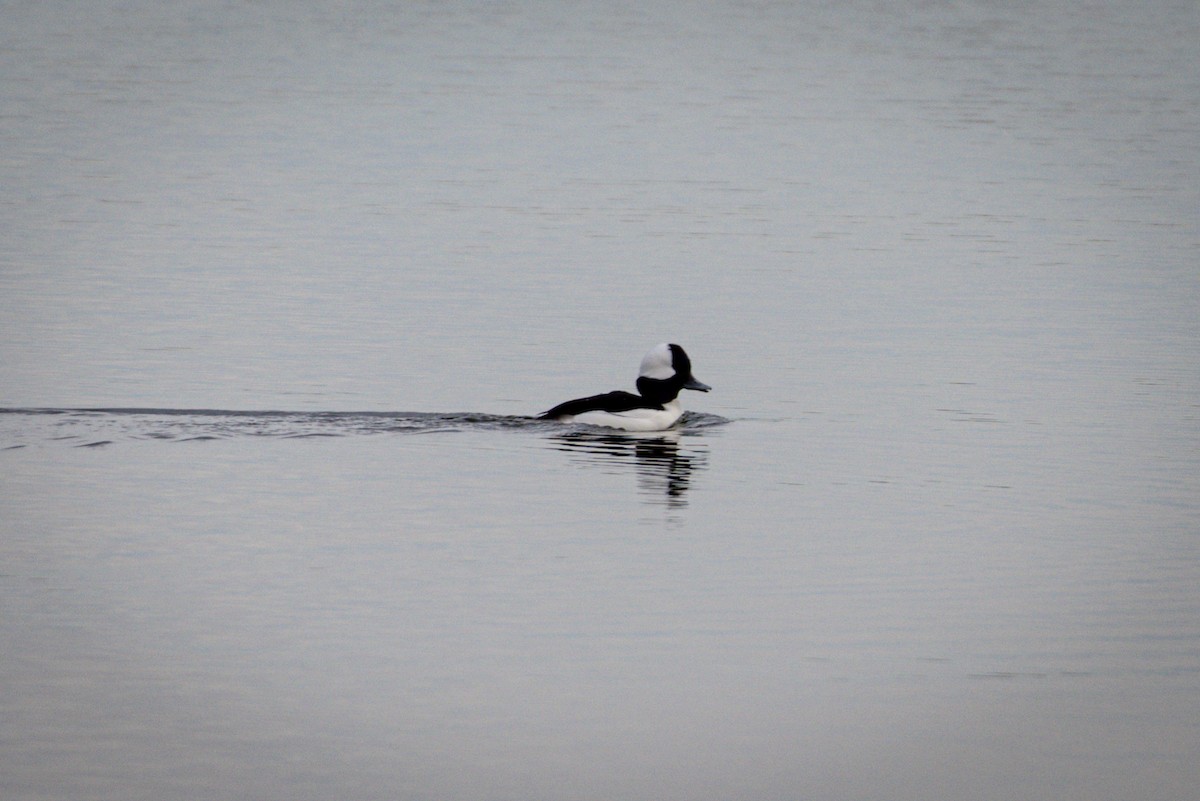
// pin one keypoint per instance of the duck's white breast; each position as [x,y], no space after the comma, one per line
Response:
[634,419]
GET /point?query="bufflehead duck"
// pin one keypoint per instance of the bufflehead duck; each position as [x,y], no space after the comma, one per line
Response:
[665,370]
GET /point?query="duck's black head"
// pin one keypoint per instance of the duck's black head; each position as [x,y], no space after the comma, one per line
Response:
[666,370]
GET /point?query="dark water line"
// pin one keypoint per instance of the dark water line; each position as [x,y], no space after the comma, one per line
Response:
[262,413]
[103,425]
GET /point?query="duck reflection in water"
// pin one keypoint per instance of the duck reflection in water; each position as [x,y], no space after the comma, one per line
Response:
[664,468]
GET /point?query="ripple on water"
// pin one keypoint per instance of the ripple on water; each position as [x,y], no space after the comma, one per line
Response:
[99,427]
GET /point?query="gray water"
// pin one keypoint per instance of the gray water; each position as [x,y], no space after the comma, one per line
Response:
[281,285]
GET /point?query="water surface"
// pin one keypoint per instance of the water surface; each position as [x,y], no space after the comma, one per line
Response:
[282,284]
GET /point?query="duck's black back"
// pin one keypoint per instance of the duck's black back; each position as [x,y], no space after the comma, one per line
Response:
[608,402]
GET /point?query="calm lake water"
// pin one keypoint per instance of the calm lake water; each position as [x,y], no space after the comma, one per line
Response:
[282,283]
